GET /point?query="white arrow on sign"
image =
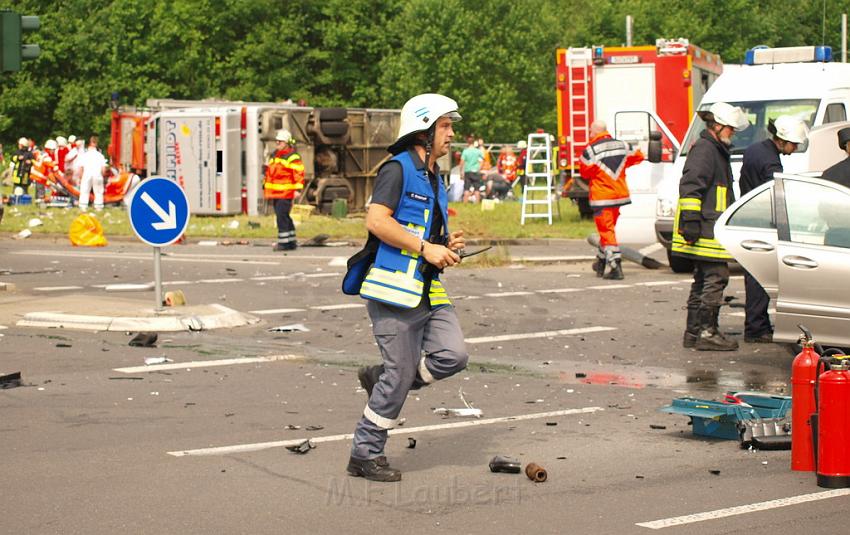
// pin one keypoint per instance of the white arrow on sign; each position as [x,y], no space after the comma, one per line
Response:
[169,220]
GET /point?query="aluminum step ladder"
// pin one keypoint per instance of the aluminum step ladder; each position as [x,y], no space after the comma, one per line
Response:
[537,189]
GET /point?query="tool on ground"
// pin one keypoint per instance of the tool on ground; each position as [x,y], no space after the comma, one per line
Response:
[536,473]
[720,419]
[630,254]
[144,340]
[507,465]
[803,377]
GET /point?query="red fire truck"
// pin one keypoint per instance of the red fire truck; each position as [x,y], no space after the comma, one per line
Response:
[600,82]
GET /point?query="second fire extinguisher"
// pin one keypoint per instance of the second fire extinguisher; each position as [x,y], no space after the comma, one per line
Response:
[833,427]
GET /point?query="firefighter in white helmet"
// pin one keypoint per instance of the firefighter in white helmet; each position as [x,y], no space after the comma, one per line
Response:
[705,190]
[398,273]
[283,183]
[761,160]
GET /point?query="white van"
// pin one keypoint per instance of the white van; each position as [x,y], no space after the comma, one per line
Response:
[797,81]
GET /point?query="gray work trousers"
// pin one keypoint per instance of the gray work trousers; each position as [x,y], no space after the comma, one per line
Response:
[403,335]
[710,279]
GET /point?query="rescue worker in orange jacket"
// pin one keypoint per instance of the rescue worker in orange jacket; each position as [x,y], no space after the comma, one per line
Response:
[603,164]
[283,183]
[44,171]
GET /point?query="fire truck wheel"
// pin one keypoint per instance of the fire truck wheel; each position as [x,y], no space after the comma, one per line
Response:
[332,114]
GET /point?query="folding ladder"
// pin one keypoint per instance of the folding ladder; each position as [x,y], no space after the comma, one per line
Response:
[538,165]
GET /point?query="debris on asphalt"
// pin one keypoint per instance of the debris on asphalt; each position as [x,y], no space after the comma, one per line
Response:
[714,472]
[580,375]
[656,426]
[207,243]
[466,403]
[506,465]
[411,443]
[291,427]
[295,327]
[150,361]
[314,427]
[316,241]
[144,340]
[10,380]
[442,411]
[775,443]
[22,235]
[561,458]
[62,344]
[638,477]
[230,271]
[536,473]
[226,243]
[535,401]
[302,448]
[35,222]
[551,424]
[174,298]
[126,378]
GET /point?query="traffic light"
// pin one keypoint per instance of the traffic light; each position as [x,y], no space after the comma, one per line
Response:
[12,50]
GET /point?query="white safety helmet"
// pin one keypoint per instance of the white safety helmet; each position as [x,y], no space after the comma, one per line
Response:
[419,113]
[789,128]
[283,135]
[23,142]
[521,144]
[71,139]
[50,144]
[726,115]
[61,141]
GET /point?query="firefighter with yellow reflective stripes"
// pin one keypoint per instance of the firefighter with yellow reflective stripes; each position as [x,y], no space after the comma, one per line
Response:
[705,191]
[283,183]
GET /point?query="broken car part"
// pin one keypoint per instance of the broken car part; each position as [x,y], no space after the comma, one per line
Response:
[536,473]
[505,465]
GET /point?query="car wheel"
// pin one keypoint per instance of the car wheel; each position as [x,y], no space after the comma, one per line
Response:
[679,264]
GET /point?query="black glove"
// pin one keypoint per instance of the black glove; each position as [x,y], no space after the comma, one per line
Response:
[690,230]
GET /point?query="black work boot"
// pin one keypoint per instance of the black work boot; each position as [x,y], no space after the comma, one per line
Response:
[616,272]
[599,266]
[377,469]
[764,338]
[692,328]
[710,338]
[369,377]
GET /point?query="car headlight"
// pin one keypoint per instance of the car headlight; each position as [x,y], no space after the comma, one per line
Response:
[665,208]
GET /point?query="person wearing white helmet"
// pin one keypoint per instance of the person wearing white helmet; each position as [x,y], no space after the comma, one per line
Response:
[61,152]
[283,182]
[398,274]
[761,160]
[22,162]
[705,190]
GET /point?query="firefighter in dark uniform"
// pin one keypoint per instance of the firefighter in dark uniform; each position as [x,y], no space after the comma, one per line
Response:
[22,162]
[840,172]
[413,321]
[761,160]
[705,191]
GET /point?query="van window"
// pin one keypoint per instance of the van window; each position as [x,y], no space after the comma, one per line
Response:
[835,113]
[759,112]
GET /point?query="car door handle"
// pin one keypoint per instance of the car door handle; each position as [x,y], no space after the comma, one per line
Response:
[756,245]
[799,262]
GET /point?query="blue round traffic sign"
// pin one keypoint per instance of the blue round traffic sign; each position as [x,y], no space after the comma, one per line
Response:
[159,211]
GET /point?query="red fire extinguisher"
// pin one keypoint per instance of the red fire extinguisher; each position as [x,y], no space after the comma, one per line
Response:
[803,377]
[833,445]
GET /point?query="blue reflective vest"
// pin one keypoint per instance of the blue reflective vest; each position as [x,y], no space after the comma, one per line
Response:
[395,278]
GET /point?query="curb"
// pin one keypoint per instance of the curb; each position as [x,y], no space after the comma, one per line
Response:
[225,318]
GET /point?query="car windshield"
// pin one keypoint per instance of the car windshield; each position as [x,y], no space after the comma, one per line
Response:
[758,112]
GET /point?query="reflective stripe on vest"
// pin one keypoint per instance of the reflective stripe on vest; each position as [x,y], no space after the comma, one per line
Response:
[395,278]
[720,205]
[282,187]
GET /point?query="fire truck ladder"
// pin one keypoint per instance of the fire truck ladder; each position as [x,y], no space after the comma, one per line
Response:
[538,165]
[578,62]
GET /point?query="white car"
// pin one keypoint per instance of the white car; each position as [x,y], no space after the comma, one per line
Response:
[793,235]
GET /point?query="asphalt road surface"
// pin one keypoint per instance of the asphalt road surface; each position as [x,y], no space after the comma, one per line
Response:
[569,371]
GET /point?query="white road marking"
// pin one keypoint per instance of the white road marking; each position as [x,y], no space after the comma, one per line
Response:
[338,261]
[339,307]
[196,259]
[244,448]
[649,249]
[743,509]
[217,281]
[553,258]
[660,283]
[272,278]
[508,294]
[56,288]
[744,314]
[320,275]
[175,283]
[277,311]
[205,364]
[609,287]
[559,290]
[539,334]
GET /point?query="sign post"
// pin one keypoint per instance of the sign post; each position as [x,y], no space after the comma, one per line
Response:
[159,214]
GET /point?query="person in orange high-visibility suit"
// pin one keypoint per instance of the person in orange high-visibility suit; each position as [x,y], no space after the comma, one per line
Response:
[283,183]
[603,164]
